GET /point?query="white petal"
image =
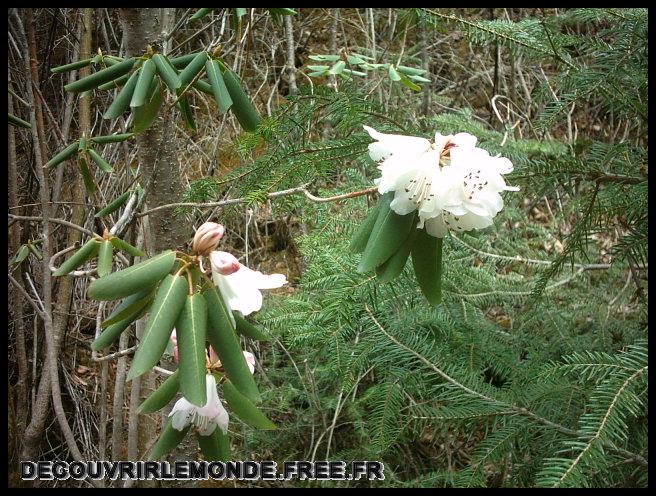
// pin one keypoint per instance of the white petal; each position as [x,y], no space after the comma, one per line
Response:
[389,144]
[238,293]
[436,227]
[401,204]
[465,140]
[222,419]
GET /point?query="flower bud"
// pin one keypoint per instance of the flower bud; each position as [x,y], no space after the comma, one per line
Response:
[224,263]
[207,238]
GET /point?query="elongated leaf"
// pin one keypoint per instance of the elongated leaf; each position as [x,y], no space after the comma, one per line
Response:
[100,162]
[162,395]
[105,255]
[133,279]
[215,447]
[112,138]
[204,86]
[193,68]
[21,255]
[88,250]
[142,90]
[190,330]
[167,441]
[145,115]
[427,262]
[183,60]
[82,146]
[117,83]
[318,67]
[100,77]
[122,100]
[393,74]
[245,328]
[87,177]
[222,337]
[34,251]
[126,247]
[17,121]
[200,13]
[407,82]
[166,72]
[324,58]
[164,312]
[388,234]
[113,331]
[361,236]
[113,205]
[65,154]
[410,71]
[419,79]
[130,307]
[242,407]
[337,68]
[240,13]
[221,95]
[242,107]
[391,269]
[72,66]
[187,114]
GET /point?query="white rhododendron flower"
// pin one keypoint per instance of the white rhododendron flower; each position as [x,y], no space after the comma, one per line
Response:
[450,182]
[239,285]
[204,418]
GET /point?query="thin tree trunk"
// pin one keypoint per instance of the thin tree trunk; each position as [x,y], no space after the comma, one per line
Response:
[291,55]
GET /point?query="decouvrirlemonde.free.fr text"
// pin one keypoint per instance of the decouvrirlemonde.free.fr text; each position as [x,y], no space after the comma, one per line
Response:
[201,470]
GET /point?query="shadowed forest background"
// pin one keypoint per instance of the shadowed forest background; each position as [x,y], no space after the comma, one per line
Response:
[533,369]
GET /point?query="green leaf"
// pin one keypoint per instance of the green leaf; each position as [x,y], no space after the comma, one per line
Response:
[183,60]
[204,86]
[113,205]
[17,121]
[100,162]
[122,100]
[21,255]
[96,79]
[200,13]
[191,328]
[132,279]
[406,82]
[427,262]
[361,236]
[112,138]
[193,68]
[240,13]
[337,68]
[388,234]
[187,114]
[164,312]
[142,90]
[352,59]
[145,115]
[82,146]
[355,73]
[222,337]
[166,72]
[317,73]
[130,307]
[65,154]
[105,255]
[393,73]
[87,177]
[88,250]
[324,58]
[133,307]
[34,251]
[221,95]
[72,66]
[419,79]
[117,83]
[242,107]
[410,71]
[242,407]
[245,328]
[167,441]
[215,447]
[126,247]
[162,395]
[391,269]
[318,67]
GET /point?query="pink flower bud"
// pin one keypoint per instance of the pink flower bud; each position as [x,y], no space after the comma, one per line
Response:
[224,263]
[207,238]
[214,358]
[174,340]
